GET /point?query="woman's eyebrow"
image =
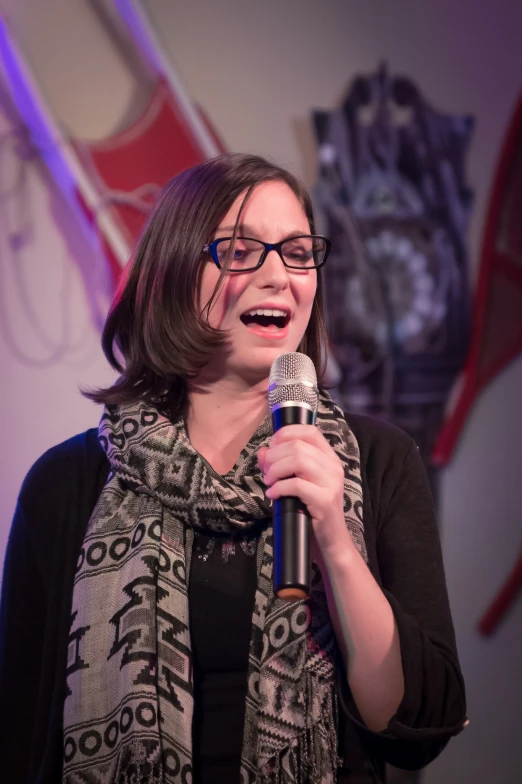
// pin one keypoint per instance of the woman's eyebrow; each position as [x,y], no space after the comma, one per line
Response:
[244,229]
[296,234]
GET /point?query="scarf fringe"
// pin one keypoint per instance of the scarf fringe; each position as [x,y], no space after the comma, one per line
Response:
[312,757]
[134,768]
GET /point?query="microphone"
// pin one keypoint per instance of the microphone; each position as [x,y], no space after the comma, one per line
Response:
[292,398]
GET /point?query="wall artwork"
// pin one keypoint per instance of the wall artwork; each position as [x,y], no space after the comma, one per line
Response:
[392,195]
[112,184]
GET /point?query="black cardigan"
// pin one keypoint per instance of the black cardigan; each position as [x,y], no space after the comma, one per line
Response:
[404,555]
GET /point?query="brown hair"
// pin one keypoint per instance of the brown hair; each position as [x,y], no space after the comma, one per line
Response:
[154,323]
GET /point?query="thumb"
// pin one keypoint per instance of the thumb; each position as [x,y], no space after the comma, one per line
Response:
[261,457]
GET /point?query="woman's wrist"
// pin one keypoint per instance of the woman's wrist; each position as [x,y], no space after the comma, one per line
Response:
[337,554]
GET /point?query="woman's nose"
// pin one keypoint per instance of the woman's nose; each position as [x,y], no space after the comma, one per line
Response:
[273,272]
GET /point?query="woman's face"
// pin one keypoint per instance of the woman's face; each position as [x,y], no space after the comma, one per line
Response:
[272,214]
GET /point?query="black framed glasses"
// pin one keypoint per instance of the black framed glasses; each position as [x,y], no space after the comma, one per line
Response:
[308,251]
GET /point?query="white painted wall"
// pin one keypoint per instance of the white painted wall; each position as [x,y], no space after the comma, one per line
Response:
[258,69]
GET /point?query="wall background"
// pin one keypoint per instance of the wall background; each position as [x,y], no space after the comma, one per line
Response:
[258,69]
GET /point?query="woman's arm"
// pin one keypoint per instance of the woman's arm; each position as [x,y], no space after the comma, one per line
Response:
[22,621]
[433,708]
[361,615]
[412,572]
[53,510]
[399,646]
[366,633]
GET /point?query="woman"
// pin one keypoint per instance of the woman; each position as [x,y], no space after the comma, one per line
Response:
[141,638]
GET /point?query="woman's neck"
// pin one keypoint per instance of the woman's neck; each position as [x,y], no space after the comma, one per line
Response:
[222,418]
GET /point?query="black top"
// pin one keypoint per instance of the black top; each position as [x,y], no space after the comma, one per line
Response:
[222,587]
[404,555]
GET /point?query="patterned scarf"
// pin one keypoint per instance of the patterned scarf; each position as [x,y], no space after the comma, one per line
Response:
[129,704]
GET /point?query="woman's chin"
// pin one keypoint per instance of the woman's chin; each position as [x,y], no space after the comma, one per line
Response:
[258,362]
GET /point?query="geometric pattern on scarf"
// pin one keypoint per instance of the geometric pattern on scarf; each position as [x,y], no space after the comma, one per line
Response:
[129,697]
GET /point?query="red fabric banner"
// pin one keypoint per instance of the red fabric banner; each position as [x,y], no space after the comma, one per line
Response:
[130,168]
[497,321]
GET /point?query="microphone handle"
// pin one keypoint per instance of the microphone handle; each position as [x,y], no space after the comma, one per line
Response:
[292,523]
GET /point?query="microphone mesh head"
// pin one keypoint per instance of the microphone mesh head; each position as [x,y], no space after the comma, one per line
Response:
[293,379]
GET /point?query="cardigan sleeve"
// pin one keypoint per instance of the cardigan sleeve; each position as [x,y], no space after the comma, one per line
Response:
[409,556]
[53,510]
[22,620]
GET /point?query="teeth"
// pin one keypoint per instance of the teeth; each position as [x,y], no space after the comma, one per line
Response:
[266,312]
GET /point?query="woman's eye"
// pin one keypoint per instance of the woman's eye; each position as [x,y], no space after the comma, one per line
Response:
[301,256]
[226,251]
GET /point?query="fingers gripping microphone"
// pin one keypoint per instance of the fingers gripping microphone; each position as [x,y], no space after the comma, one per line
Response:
[292,397]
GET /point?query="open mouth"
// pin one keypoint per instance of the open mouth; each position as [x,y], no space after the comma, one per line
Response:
[266,319]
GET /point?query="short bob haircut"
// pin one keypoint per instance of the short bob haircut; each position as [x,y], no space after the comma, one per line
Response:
[154,335]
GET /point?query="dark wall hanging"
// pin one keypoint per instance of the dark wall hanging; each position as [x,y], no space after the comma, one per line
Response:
[392,195]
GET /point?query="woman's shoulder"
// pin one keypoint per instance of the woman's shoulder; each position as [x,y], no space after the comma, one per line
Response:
[66,459]
[379,441]
[389,457]
[69,471]
[56,501]
[393,473]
